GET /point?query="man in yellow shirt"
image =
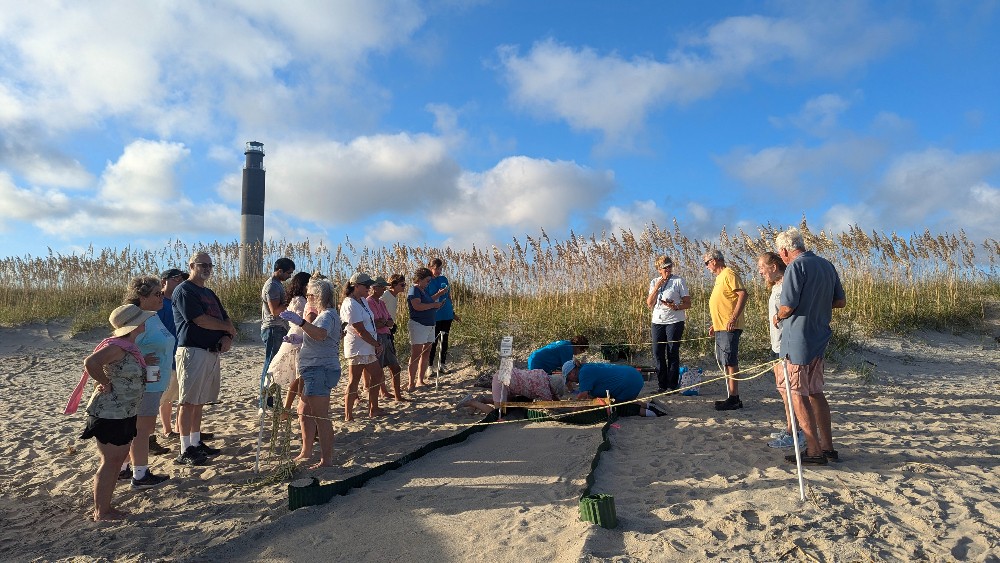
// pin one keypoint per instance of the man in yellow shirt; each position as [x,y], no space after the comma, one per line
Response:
[726,304]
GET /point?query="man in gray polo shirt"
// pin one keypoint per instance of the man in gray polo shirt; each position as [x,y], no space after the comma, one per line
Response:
[809,293]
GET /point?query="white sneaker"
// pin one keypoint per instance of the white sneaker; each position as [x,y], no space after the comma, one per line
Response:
[787,441]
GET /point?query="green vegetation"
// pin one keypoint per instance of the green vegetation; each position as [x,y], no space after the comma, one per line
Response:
[539,289]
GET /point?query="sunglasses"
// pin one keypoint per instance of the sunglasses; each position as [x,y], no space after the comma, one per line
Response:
[206,265]
[709,260]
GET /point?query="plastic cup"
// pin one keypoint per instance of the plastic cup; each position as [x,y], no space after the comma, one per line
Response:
[152,374]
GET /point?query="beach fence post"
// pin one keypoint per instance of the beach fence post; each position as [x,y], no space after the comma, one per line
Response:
[437,359]
[795,432]
[506,366]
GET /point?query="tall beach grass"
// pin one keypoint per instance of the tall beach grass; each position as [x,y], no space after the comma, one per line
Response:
[539,289]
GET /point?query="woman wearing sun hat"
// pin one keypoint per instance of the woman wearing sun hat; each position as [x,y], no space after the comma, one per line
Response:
[118,368]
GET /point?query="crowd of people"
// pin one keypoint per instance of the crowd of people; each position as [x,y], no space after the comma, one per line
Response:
[175,321]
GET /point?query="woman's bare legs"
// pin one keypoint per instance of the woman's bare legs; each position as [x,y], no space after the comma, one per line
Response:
[351,395]
[319,406]
[294,388]
[373,373]
[139,451]
[425,361]
[105,479]
[308,426]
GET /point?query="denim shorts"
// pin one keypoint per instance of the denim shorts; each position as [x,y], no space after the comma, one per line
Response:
[727,347]
[318,380]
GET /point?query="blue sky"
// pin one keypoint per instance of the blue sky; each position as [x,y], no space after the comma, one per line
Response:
[457,123]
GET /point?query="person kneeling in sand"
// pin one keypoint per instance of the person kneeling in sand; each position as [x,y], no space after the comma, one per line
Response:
[597,381]
[525,384]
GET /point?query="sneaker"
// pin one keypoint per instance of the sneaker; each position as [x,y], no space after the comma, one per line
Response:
[156,448]
[125,473]
[787,441]
[729,404]
[149,481]
[207,436]
[191,456]
[655,409]
[776,435]
[206,450]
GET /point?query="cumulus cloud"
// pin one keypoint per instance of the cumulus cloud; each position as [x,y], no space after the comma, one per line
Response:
[801,171]
[818,116]
[519,195]
[388,232]
[635,217]
[938,186]
[135,195]
[328,182]
[578,84]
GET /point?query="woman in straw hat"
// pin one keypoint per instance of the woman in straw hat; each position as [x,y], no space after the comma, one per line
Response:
[118,368]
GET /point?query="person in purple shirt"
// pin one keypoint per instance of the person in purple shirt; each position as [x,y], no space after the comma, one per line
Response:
[811,289]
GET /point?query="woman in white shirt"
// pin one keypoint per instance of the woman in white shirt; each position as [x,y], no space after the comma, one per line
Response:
[361,347]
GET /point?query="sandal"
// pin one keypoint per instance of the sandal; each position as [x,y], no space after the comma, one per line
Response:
[808,459]
[831,455]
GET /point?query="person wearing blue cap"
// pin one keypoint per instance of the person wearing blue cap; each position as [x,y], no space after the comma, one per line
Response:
[597,380]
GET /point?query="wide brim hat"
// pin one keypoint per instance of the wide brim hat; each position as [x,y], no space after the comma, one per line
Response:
[127,318]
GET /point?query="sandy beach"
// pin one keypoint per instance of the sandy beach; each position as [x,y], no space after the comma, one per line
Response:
[915,421]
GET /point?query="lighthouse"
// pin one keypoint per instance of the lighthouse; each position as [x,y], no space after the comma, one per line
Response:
[252,224]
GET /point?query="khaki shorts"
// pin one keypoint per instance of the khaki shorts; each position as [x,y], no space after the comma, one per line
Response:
[198,374]
[363,360]
[803,379]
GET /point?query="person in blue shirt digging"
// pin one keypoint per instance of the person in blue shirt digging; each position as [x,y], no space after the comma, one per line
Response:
[597,381]
[552,356]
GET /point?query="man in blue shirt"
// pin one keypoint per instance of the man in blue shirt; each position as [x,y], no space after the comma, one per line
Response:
[204,330]
[597,381]
[809,293]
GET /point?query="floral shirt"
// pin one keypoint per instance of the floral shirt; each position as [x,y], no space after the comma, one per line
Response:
[128,382]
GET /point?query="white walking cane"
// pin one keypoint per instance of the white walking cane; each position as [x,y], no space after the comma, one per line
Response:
[795,432]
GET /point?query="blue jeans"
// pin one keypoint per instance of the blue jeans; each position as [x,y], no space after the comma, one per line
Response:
[271,336]
[667,353]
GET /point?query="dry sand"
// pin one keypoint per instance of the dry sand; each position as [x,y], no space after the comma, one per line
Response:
[918,481]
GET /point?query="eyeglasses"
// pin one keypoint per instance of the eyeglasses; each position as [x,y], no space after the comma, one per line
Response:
[206,265]
[709,260]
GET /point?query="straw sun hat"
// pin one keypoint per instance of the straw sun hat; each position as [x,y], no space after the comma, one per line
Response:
[127,318]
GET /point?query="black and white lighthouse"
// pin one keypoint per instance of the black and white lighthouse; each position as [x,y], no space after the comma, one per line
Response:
[252,225]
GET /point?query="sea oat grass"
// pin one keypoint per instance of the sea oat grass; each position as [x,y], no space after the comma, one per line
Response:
[540,289]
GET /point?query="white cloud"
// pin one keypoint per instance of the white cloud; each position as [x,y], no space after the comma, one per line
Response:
[389,232]
[840,217]
[803,172]
[328,182]
[613,95]
[818,116]
[937,186]
[635,217]
[519,195]
[136,195]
